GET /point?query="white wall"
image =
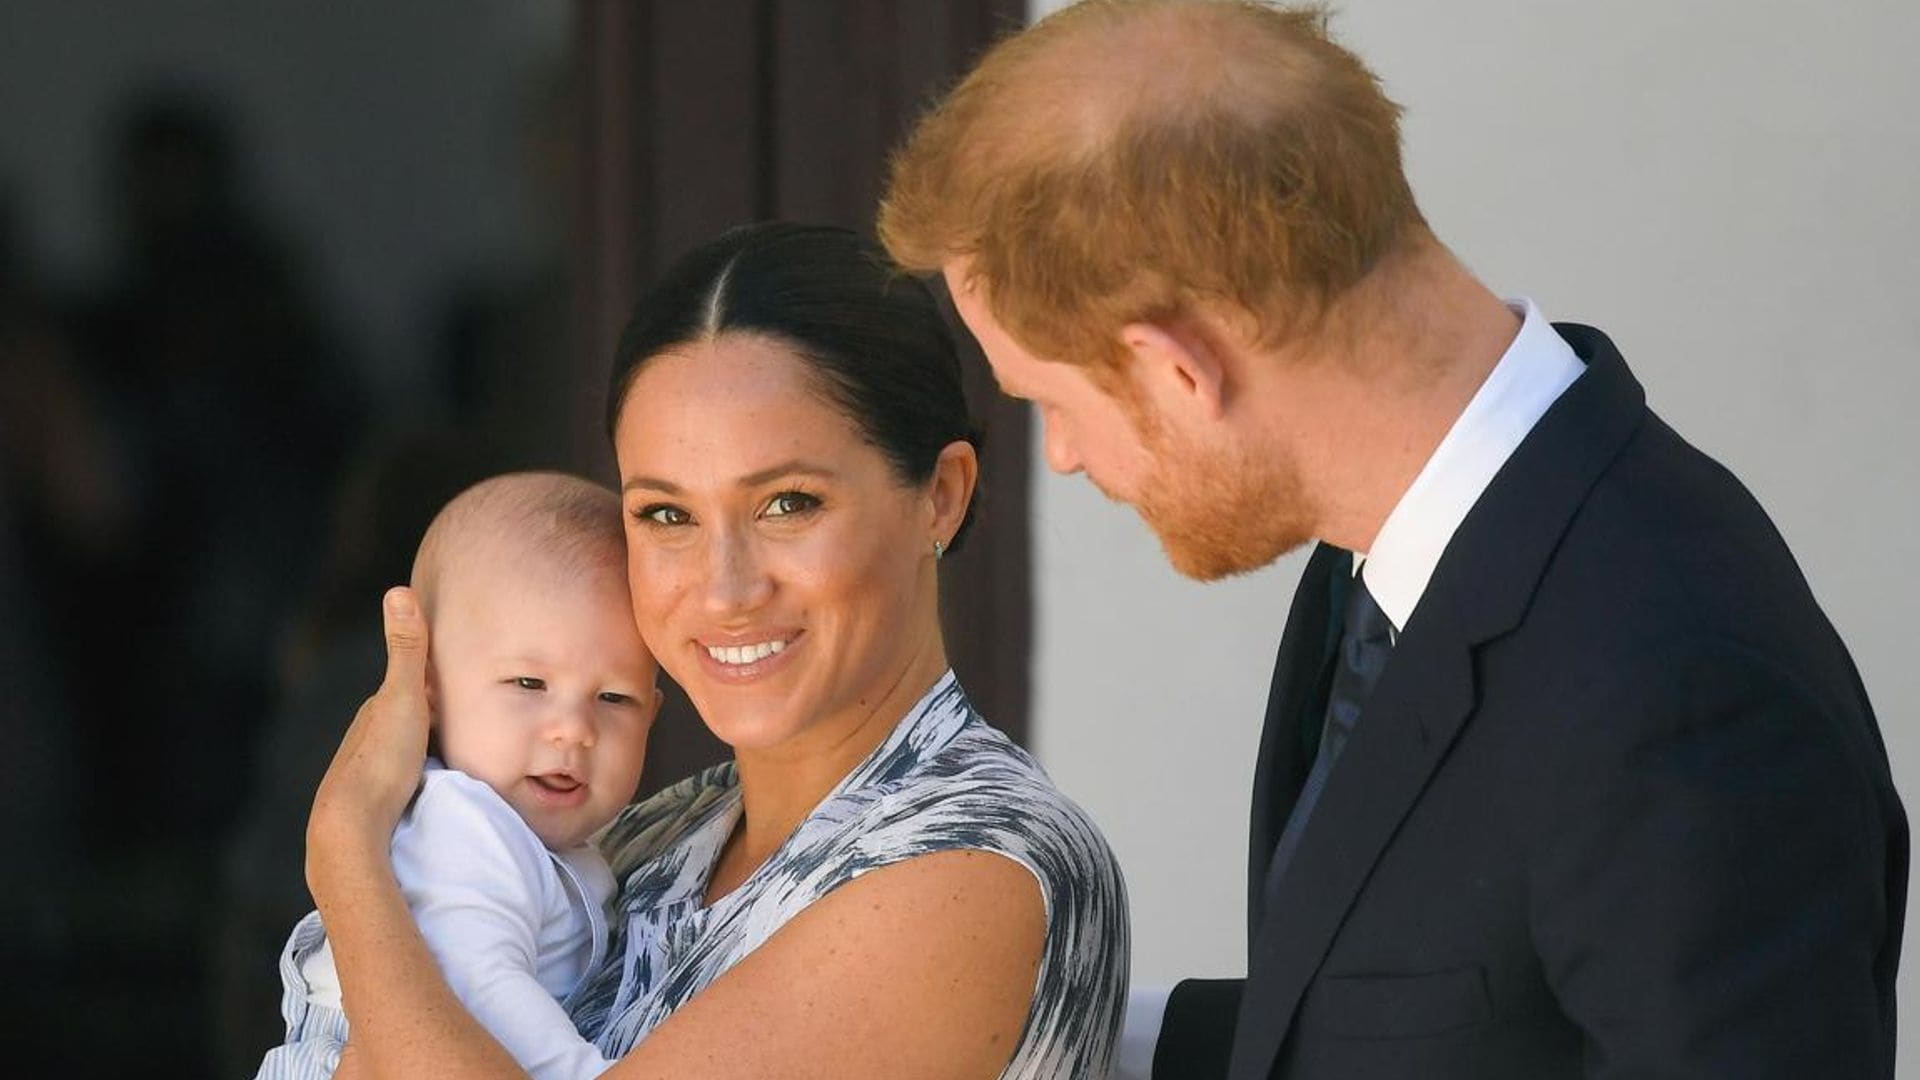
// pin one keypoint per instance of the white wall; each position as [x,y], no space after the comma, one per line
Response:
[1729,189]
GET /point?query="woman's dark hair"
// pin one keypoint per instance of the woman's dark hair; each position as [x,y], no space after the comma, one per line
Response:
[872,337]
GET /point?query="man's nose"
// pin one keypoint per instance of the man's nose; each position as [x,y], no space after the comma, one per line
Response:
[1062,457]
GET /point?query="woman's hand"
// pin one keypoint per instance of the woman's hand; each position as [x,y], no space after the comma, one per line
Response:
[377,768]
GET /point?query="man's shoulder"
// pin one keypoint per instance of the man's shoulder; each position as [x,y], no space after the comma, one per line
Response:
[1668,592]
[1670,535]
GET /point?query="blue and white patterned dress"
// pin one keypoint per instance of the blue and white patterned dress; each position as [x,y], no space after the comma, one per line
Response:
[944,780]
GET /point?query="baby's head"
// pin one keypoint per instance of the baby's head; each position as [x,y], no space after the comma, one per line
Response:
[540,685]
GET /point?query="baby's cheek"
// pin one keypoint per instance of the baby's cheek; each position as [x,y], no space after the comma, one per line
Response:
[483,755]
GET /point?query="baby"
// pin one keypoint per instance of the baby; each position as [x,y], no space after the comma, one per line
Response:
[542,698]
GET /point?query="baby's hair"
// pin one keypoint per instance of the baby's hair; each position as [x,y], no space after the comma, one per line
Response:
[555,521]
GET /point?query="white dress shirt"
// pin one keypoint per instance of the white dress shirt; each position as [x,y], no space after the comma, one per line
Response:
[1535,370]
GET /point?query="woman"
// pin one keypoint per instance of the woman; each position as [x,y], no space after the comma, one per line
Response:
[879,884]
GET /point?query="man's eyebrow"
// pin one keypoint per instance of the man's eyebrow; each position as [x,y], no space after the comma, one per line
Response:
[753,479]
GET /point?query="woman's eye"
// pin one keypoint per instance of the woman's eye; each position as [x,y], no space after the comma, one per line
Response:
[790,502]
[663,514]
[614,697]
[528,682]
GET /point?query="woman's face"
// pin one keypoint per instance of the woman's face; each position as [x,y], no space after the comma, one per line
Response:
[781,571]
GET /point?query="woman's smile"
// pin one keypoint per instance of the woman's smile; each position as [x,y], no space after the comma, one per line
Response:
[753,659]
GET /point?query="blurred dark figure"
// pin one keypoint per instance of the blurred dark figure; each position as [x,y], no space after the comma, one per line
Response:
[52,484]
[240,413]
[189,445]
[333,659]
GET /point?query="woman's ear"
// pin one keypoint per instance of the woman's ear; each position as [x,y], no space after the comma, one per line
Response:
[1178,365]
[950,492]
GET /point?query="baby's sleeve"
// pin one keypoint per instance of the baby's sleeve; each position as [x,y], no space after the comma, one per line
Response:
[304,1059]
[316,1033]
[477,881]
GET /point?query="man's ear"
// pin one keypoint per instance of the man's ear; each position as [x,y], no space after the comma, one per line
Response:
[1178,364]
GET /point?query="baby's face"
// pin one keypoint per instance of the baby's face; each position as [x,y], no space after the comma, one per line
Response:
[543,690]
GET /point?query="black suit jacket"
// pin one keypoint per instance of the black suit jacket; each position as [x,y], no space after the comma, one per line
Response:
[1617,807]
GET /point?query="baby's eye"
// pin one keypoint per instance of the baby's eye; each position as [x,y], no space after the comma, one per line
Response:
[790,502]
[614,697]
[528,682]
[662,514]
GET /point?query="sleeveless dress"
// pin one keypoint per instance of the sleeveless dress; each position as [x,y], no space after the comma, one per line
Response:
[944,780]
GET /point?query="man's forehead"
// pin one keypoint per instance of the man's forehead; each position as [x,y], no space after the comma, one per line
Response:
[1009,386]
[1018,372]
[1013,371]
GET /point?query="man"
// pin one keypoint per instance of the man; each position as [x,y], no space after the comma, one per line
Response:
[1564,772]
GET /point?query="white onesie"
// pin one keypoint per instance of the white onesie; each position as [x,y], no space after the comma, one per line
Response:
[514,927]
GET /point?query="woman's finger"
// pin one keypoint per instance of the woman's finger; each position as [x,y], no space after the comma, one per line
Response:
[389,737]
[406,630]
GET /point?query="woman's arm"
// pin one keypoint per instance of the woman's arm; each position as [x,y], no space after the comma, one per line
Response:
[922,969]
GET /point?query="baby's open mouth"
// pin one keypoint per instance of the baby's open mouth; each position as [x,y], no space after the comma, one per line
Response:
[558,783]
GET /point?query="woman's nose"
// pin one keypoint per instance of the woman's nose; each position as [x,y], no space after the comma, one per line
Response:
[736,579]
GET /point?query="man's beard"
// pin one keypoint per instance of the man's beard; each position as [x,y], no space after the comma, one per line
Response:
[1219,514]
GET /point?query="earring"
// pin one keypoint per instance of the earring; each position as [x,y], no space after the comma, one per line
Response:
[939,550]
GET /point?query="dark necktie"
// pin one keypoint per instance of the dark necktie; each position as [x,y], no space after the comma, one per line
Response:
[1366,641]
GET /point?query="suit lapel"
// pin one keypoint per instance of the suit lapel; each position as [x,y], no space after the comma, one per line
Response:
[1281,770]
[1479,590]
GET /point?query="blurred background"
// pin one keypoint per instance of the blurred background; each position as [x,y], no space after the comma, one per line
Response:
[277,278]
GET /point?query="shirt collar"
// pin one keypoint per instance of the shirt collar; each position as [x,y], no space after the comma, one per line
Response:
[1536,368]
